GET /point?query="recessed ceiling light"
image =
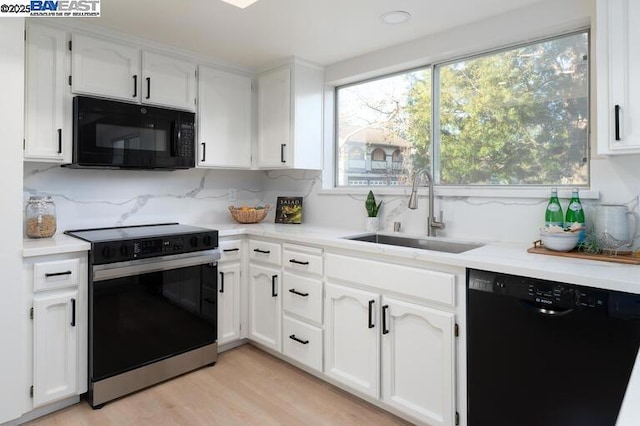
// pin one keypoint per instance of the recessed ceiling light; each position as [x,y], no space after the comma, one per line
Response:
[240,3]
[395,17]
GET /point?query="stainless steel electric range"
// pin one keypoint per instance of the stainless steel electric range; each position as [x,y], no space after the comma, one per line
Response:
[152,305]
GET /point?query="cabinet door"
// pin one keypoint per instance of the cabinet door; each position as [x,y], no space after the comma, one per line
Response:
[168,81]
[55,347]
[274,118]
[265,306]
[352,339]
[105,68]
[418,361]
[619,68]
[228,302]
[48,125]
[224,119]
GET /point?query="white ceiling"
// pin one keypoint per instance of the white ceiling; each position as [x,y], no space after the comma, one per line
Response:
[321,31]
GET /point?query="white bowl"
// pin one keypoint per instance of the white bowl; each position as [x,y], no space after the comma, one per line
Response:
[559,241]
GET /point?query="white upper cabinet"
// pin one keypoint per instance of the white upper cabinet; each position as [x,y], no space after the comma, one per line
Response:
[224,119]
[290,117]
[47,101]
[105,68]
[618,67]
[120,71]
[168,81]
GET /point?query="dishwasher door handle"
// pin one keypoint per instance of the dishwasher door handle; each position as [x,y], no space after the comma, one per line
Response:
[547,312]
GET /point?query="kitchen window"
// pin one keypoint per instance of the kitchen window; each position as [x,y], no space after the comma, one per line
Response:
[512,117]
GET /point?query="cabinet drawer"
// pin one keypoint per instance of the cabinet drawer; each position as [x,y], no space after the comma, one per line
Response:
[262,251]
[230,250]
[56,274]
[416,282]
[302,342]
[296,260]
[302,296]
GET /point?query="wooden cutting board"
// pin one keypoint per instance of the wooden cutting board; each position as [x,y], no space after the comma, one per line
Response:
[629,259]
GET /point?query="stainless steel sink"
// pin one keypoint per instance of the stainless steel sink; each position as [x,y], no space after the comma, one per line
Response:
[419,243]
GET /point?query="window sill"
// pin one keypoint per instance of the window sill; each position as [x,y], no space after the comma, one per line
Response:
[466,191]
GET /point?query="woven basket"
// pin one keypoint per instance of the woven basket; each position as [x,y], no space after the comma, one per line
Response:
[250,215]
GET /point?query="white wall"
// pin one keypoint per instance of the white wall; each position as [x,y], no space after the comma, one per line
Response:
[13,384]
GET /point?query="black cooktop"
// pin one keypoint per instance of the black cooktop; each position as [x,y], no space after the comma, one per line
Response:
[99,235]
[125,243]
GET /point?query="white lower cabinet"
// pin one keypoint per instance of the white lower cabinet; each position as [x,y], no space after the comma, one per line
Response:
[59,324]
[399,352]
[352,338]
[265,306]
[55,346]
[418,361]
[302,342]
[228,302]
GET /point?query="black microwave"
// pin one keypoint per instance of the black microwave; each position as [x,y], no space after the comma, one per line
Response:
[118,135]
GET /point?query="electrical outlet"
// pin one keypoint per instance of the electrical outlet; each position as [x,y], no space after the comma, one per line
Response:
[233,194]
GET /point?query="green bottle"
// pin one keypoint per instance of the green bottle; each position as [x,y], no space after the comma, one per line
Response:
[553,215]
[575,213]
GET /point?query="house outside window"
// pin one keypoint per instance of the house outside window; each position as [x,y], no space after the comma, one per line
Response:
[513,117]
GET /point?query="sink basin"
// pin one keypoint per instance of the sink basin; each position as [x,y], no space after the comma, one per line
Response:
[419,243]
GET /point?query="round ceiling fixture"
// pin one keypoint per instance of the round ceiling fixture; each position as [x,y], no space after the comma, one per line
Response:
[395,17]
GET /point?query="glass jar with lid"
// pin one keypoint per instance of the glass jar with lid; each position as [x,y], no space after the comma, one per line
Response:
[40,215]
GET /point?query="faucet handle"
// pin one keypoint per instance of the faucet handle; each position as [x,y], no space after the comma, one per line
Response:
[438,224]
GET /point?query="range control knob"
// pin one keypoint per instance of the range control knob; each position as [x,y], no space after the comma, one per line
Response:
[193,241]
[107,252]
[206,240]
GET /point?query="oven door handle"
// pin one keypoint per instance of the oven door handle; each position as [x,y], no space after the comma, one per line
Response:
[155,264]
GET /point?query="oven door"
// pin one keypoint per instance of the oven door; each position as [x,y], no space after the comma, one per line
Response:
[147,310]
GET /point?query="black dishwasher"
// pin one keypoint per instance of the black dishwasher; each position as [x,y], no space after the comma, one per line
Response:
[544,353]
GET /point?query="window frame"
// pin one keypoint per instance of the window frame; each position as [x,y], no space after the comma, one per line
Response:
[510,190]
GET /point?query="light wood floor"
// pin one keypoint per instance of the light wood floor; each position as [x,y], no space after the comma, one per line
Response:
[246,387]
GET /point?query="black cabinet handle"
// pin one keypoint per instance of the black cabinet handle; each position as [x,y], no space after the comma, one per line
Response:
[204,151]
[371,324]
[298,262]
[135,86]
[293,337]
[273,286]
[385,330]
[221,282]
[617,114]
[56,274]
[262,251]
[148,87]
[73,312]
[228,250]
[293,290]
[282,145]
[59,141]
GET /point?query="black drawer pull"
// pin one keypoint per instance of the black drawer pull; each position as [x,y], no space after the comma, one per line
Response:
[262,251]
[282,160]
[221,282]
[73,312]
[228,250]
[293,337]
[385,330]
[293,290]
[204,152]
[371,324]
[617,123]
[59,141]
[298,262]
[273,286]
[135,86]
[148,87]
[56,274]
